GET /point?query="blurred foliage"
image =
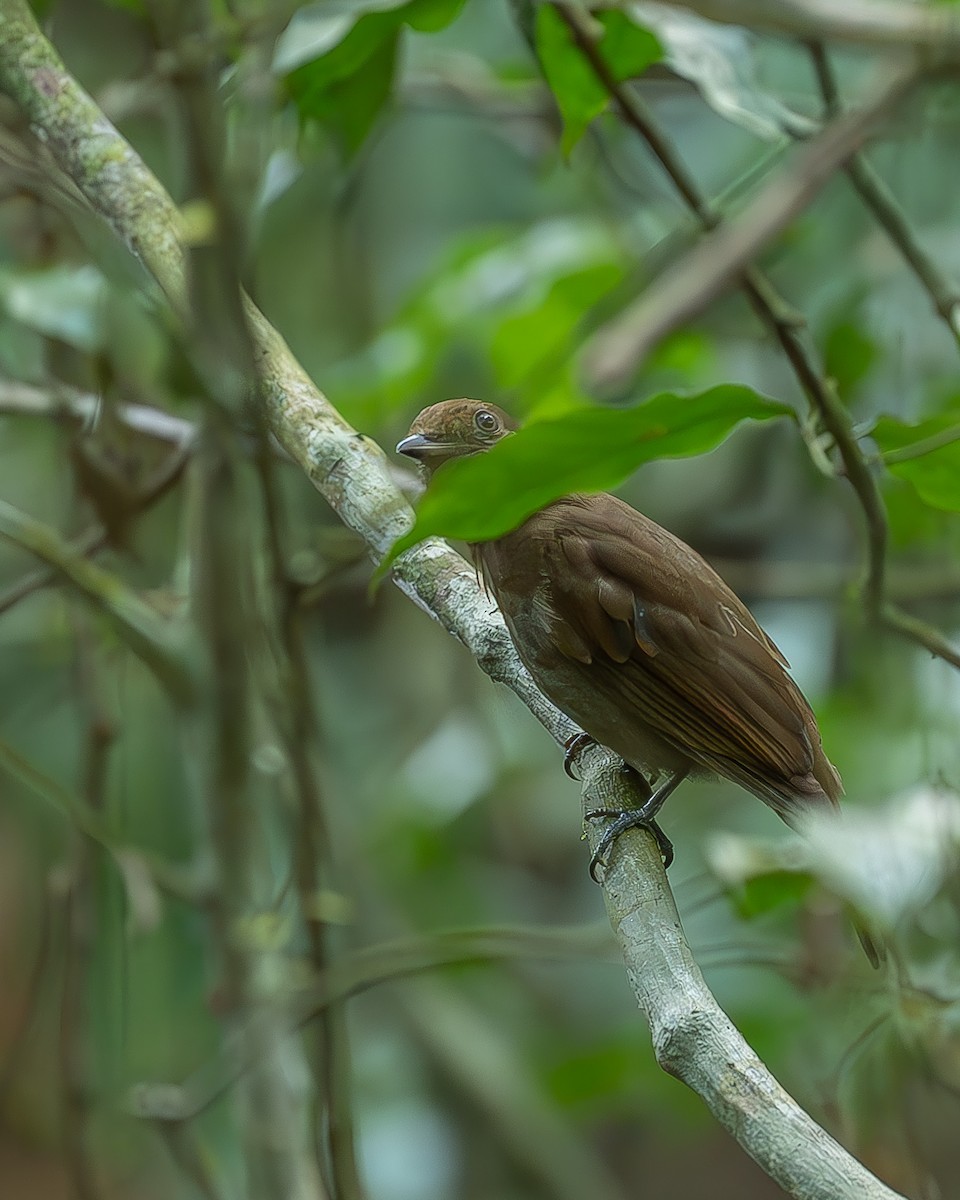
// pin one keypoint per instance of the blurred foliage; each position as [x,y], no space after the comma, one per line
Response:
[424,217]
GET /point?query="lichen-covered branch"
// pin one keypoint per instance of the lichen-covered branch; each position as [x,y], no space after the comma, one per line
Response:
[692,1037]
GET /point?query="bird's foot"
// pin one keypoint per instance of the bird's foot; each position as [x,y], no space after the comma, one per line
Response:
[636,818]
[643,817]
[573,747]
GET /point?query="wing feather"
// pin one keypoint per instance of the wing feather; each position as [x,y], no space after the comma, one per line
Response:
[663,629]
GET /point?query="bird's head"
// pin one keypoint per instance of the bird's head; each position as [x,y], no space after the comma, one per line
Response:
[455,429]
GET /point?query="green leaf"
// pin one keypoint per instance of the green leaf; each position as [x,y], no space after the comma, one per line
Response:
[338,32]
[626,48]
[429,16]
[62,302]
[933,465]
[350,105]
[587,450]
[759,876]
[540,337]
[346,89]
[769,891]
[339,58]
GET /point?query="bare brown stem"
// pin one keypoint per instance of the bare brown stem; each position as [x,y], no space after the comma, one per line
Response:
[30,1007]
[76,1057]
[881,203]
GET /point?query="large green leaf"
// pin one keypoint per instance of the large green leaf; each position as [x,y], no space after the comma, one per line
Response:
[934,470]
[626,48]
[587,450]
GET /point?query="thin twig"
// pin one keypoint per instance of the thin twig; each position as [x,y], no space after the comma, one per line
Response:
[76,1057]
[178,882]
[920,632]
[864,22]
[152,639]
[880,201]
[84,546]
[936,441]
[61,402]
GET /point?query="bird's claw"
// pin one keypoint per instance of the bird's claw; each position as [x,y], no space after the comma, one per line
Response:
[573,747]
[635,819]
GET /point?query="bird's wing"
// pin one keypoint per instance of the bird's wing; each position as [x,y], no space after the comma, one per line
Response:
[648,614]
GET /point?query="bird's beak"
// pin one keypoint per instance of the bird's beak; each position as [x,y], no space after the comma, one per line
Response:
[420,447]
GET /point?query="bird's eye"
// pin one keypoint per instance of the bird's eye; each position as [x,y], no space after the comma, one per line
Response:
[485,421]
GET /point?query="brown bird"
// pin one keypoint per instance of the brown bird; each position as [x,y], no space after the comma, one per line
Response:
[636,638]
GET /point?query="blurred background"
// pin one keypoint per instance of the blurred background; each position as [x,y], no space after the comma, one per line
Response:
[420,223]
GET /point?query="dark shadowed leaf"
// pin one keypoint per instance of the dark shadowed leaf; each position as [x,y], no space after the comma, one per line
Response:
[348,104]
[587,450]
[338,59]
